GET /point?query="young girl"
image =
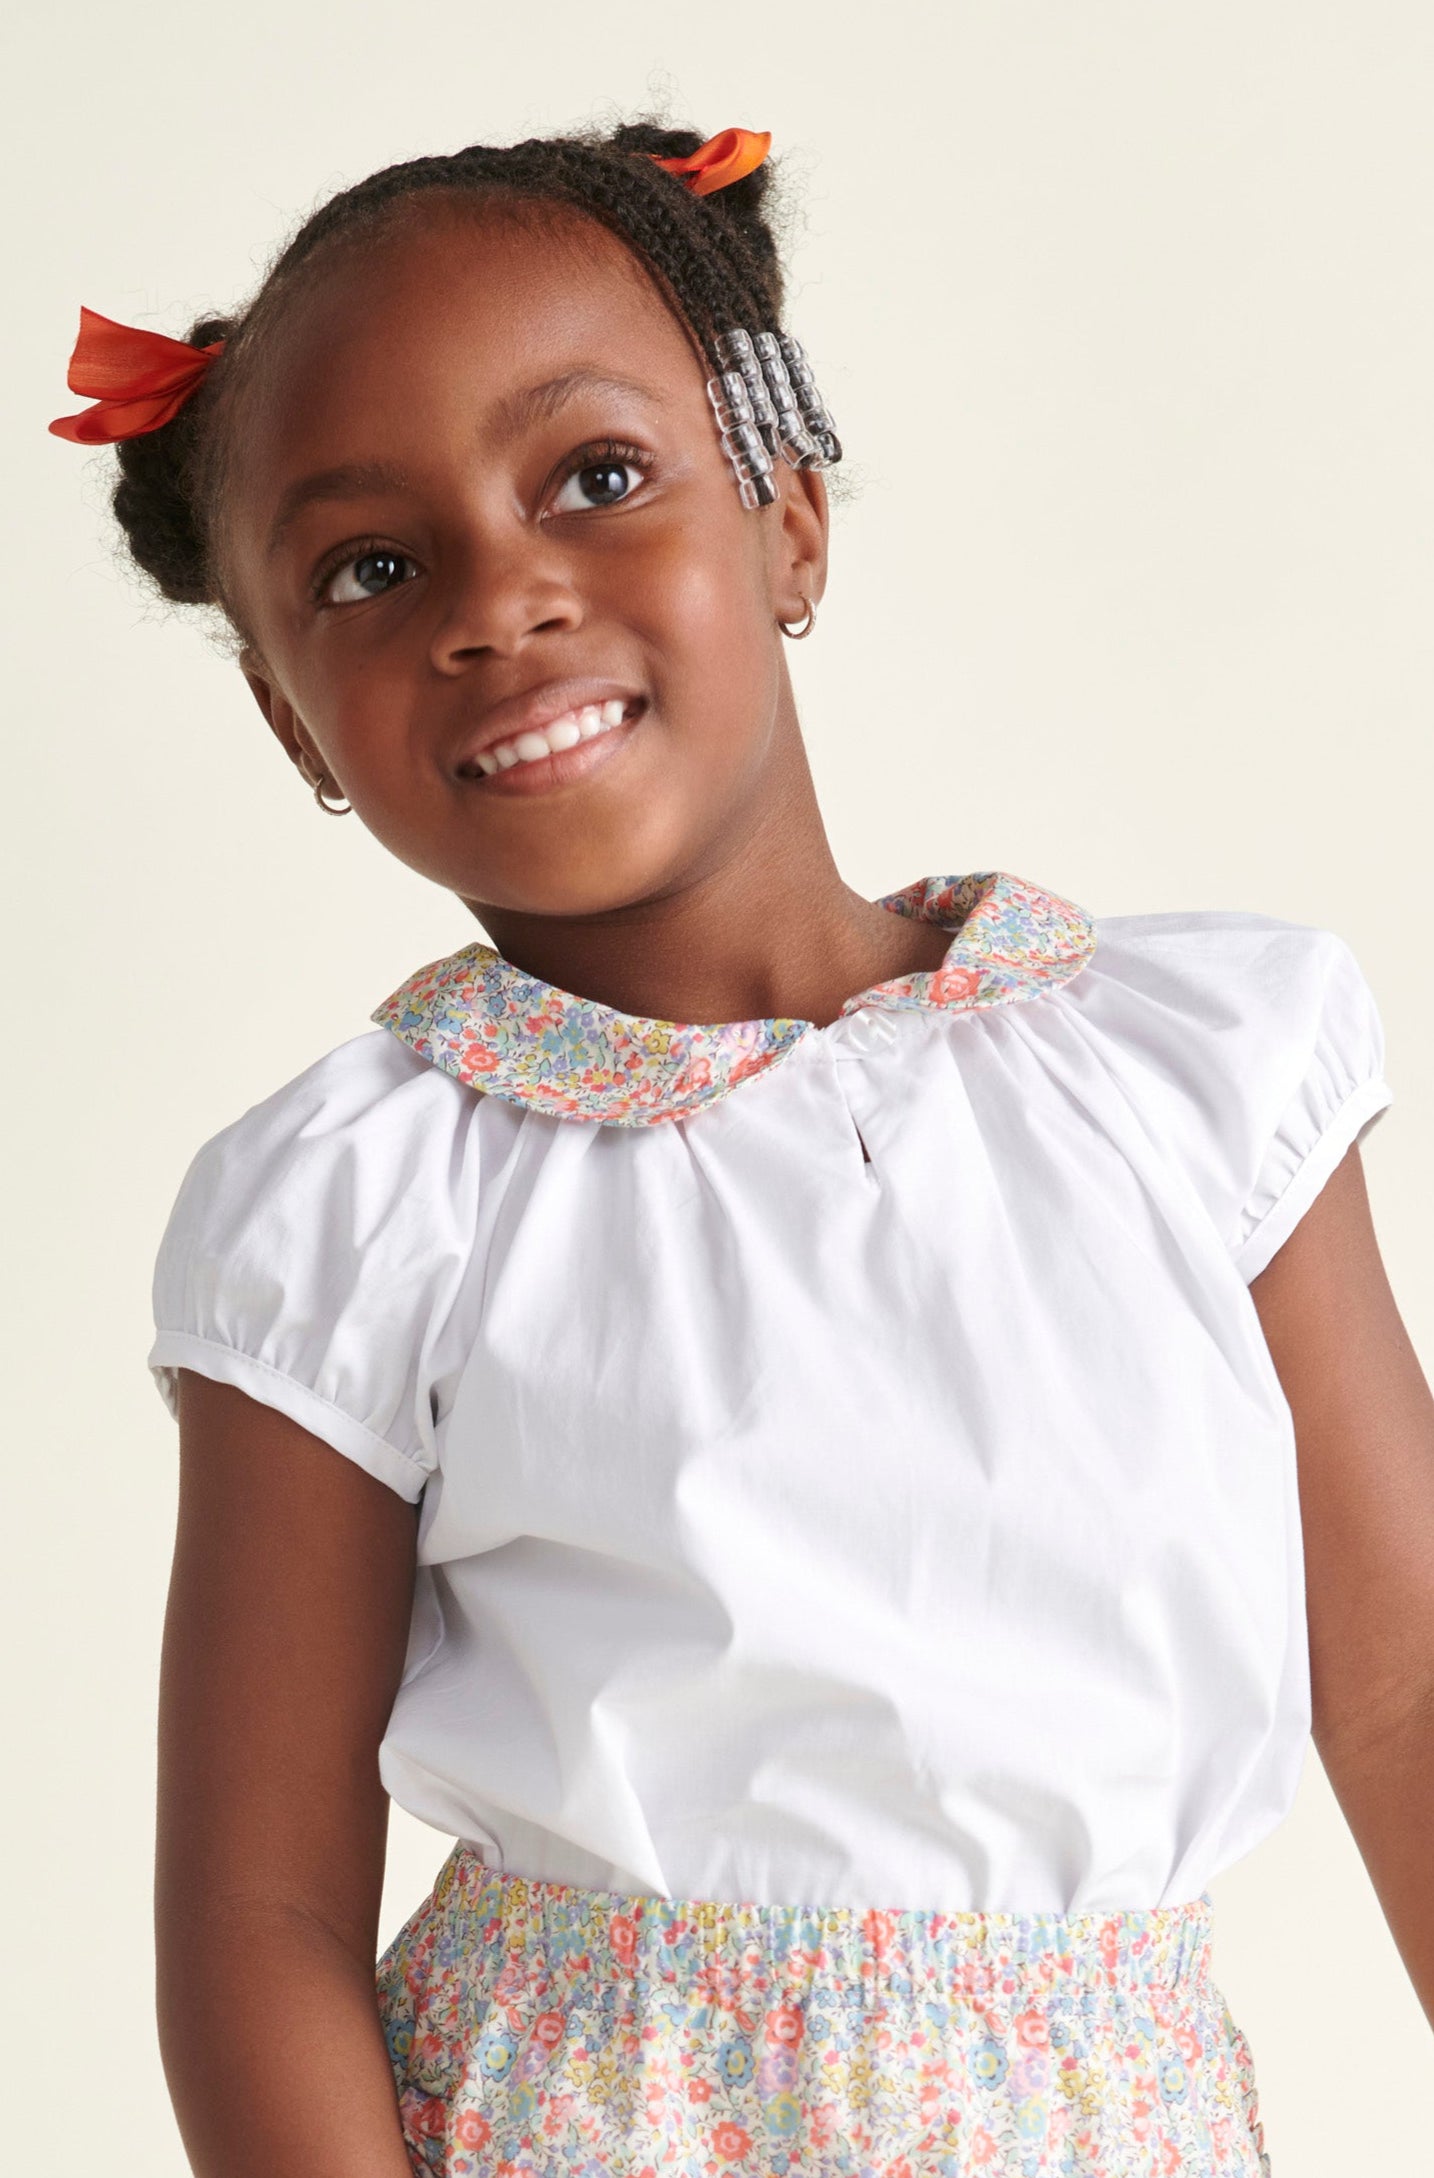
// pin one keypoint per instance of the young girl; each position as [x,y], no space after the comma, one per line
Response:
[770,1417]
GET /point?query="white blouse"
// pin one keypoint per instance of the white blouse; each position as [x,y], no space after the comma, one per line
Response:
[851,1467]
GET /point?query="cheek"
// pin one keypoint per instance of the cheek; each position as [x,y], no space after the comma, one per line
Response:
[709,617]
[365,710]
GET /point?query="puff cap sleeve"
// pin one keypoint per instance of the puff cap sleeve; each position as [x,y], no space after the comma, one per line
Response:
[316,1254]
[1260,1054]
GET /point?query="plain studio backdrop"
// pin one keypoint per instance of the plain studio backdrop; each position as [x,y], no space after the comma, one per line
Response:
[1126,316]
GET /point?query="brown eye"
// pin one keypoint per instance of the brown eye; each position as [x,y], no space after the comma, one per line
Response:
[599,484]
[368,576]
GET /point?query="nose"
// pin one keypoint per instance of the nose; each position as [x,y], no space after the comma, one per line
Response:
[499,597]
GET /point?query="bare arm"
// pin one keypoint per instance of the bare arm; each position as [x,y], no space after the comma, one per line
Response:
[1364,1426]
[283,1648]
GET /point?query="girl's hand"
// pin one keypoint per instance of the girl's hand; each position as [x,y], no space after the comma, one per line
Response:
[284,1643]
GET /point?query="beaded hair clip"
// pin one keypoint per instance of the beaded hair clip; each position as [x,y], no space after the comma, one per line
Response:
[766,403]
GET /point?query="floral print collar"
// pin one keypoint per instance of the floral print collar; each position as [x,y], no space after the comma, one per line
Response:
[513,1036]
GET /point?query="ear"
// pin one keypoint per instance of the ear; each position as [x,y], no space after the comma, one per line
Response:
[287,726]
[798,542]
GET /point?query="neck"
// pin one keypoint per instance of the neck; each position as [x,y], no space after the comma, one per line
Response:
[766,928]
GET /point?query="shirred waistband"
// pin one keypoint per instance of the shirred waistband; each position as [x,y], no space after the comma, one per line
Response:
[569,1938]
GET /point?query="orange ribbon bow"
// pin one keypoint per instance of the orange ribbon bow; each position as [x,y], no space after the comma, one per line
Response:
[140,379]
[730,156]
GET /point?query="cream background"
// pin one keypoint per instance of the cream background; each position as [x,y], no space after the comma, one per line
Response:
[1126,316]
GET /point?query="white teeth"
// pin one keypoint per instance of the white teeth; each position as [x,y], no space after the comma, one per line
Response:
[563,733]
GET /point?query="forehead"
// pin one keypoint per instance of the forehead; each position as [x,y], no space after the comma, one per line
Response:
[422,337]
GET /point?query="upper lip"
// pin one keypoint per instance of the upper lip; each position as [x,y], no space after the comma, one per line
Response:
[535,708]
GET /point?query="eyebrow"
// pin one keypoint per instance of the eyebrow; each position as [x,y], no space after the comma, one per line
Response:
[534,404]
[351,480]
[539,404]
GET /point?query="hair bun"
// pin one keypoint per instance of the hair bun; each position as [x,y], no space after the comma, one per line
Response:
[656,142]
[741,204]
[154,497]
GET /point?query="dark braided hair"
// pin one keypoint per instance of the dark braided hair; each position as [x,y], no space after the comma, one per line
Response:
[714,259]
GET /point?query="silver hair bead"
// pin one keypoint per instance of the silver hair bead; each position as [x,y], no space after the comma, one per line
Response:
[732,346]
[742,440]
[767,406]
[796,442]
[809,401]
[730,404]
[736,351]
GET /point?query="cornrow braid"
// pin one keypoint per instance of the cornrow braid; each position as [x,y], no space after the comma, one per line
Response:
[714,258]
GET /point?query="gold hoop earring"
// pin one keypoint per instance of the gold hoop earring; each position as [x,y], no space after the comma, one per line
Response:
[330,809]
[797,634]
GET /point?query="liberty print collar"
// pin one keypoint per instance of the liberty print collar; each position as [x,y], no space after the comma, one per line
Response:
[510,1035]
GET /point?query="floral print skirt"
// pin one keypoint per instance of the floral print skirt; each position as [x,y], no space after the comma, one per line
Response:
[538,2027]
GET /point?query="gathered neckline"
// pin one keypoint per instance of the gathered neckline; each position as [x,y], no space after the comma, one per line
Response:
[509,1034]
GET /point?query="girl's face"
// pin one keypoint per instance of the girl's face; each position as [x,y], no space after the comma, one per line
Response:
[478,491]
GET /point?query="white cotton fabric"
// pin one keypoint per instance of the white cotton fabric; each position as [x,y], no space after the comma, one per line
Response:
[921,1533]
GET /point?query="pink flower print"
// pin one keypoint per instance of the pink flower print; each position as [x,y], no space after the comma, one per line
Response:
[929,2097]
[785,2024]
[693,1078]
[955,985]
[699,2091]
[714,1984]
[877,1927]
[1032,2030]
[471,2129]
[730,2141]
[425,2115]
[822,2124]
[751,1062]
[622,1935]
[548,2028]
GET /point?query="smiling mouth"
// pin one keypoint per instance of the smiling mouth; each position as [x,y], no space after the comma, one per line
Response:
[584,723]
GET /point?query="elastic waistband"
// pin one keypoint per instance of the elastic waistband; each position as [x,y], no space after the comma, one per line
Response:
[564,1936]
